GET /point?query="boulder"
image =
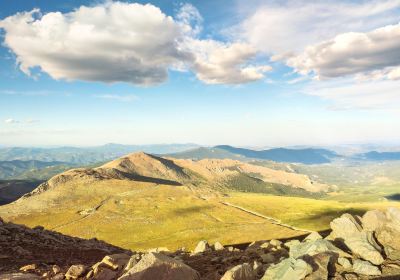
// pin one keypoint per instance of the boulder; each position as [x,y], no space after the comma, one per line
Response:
[105,274]
[288,269]
[313,236]
[373,219]
[361,243]
[275,243]
[28,267]
[116,261]
[320,263]
[76,271]
[268,258]
[365,268]
[131,263]
[19,276]
[344,262]
[240,272]
[387,233]
[312,248]
[202,247]
[161,267]
[218,246]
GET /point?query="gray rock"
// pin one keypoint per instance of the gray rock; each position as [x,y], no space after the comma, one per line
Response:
[365,268]
[161,267]
[312,248]
[202,247]
[373,220]
[288,269]
[344,262]
[19,276]
[291,243]
[76,271]
[116,261]
[275,243]
[105,274]
[218,246]
[388,231]
[321,261]
[313,236]
[361,243]
[240,272]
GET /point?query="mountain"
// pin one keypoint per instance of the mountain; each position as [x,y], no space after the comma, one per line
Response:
[140,199]
[31,169]
[86,155]
[305,156]
[378,156]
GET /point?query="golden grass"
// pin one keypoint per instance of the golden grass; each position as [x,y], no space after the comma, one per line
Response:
[305,213]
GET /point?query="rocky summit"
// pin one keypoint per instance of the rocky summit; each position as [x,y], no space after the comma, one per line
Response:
[358,247]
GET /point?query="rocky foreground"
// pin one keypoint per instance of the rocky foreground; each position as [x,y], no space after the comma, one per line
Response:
[366,247]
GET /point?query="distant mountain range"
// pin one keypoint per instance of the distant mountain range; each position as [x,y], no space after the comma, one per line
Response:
[305,156]
[86,155]
[378,156]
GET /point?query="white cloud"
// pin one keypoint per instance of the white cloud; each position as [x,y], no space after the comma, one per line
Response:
[279,27]
[125,42]
[110,43]
[219,63]
[345,94]
[11,121]
[375,52]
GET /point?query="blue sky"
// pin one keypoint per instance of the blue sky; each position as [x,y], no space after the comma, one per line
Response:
[265,73]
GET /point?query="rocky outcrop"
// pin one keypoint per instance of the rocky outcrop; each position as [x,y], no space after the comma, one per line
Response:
[357,248]
[159,266]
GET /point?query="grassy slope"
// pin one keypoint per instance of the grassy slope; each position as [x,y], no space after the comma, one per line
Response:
[303,212]
[142,215]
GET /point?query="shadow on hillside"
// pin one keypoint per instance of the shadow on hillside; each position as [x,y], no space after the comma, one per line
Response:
[191,209]
[326,216]
[159,181]
[395,197]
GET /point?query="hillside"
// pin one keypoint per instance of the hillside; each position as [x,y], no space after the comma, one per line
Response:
[305,156]
[141,201]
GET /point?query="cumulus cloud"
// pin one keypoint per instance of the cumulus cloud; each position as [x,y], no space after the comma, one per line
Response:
[112,42]
[279,27]
[376,53]
[219,63]
[124,42]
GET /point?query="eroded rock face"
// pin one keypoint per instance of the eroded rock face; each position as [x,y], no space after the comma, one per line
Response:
[362,243]
[76,271]
[365,268]
[240,272]
[387,229]
[158,266]
[288,269]
[312,248]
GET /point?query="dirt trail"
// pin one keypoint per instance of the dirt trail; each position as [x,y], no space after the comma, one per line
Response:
[270,219]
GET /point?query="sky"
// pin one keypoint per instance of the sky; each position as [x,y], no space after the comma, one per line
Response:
[245,73]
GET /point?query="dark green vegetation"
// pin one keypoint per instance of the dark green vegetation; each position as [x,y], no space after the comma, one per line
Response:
[249,184]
